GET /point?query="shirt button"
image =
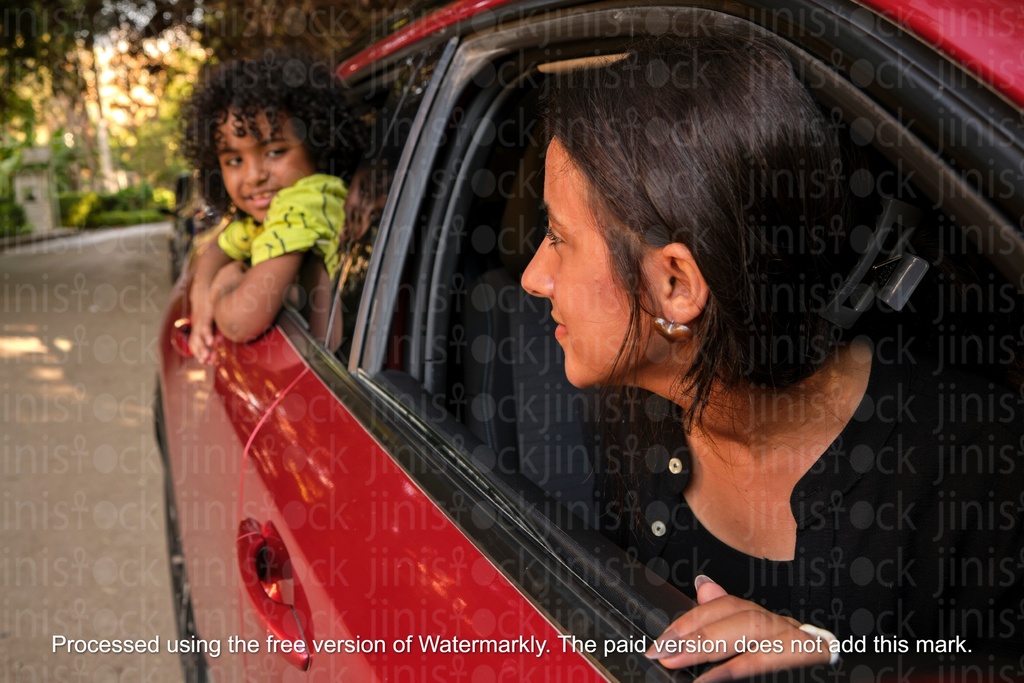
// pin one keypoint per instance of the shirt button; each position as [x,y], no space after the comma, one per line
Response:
[675,465]
[658,528]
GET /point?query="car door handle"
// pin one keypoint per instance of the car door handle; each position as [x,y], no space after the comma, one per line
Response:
[179,336]
[263,561]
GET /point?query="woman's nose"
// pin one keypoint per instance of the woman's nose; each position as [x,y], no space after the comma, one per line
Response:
[537,279]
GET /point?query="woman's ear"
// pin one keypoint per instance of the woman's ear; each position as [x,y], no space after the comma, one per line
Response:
[679,288]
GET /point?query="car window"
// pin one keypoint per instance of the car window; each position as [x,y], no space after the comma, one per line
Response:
[387,106]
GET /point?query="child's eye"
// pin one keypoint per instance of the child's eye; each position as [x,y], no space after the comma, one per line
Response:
[276,152]
[230,161]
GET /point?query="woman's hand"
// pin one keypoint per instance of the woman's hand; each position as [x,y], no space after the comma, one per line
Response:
[720,616]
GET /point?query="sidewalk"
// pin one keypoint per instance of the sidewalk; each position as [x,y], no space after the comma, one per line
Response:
[32,238]
[7,243]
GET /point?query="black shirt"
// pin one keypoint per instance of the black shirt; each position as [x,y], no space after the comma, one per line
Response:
[909,525]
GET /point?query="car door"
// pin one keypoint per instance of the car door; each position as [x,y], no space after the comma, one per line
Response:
[339,549]
[216,410]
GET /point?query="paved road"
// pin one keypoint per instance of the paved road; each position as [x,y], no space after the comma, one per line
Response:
[81,500]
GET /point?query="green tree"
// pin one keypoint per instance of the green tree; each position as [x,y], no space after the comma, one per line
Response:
[77,73]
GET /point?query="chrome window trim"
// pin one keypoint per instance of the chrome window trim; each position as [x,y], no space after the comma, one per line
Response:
[373,321]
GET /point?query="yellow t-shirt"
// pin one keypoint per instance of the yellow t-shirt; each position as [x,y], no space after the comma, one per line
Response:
[308,215]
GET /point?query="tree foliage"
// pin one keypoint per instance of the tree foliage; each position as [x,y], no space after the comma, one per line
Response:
[65,65]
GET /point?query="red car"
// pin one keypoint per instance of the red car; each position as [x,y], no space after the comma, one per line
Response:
[413,504]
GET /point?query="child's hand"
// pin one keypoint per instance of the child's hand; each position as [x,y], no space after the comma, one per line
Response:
[200,340]
[202,297]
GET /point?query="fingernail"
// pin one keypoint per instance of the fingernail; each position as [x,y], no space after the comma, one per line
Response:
[701,580]
[657,648]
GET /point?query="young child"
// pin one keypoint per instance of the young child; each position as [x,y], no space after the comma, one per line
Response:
[275,145]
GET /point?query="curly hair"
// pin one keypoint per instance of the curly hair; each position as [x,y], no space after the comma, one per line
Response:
[279,86]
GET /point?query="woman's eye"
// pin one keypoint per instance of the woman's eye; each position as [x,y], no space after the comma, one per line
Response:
[549,234]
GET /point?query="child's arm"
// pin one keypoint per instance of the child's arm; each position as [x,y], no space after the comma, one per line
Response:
[247,301]
[211,260]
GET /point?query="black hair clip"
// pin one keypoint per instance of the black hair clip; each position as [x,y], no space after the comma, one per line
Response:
[885,269]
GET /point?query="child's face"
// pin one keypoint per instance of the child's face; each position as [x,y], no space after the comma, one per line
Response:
[256,170]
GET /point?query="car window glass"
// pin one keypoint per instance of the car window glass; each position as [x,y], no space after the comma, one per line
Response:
[464,330]
[388,108]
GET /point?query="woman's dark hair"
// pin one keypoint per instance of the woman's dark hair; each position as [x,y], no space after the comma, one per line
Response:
[277,86]
[714,143]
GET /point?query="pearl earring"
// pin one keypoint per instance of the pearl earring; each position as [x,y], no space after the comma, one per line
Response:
[674,332]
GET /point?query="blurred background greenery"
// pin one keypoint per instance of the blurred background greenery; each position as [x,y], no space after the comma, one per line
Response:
[100,83]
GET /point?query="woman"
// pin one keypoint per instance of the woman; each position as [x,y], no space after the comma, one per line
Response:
[697,226]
